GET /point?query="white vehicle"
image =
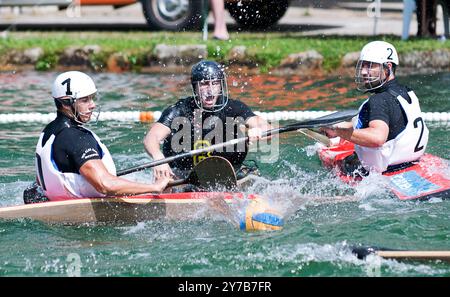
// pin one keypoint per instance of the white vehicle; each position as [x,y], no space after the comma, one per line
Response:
[176,15]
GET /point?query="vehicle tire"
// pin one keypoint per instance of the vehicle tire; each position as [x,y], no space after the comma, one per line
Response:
[172,15]
[257,14]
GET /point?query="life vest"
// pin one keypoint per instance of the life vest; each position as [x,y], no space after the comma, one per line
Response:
[409,145]
[59,185]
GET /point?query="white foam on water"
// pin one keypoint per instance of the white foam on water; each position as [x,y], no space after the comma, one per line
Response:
[367,207]
[339,255]
[434,200]
[372,185]
[151,231]
[312,150]
[120,253]
[12,193]
[135,229]
[297,188]
[139,256]
[297,255]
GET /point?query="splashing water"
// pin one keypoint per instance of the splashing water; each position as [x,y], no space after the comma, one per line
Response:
[323,216]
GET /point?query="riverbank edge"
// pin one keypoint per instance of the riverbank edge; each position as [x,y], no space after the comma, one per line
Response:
[302,56]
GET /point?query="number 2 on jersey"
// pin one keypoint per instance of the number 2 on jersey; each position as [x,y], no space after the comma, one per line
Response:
[416,121]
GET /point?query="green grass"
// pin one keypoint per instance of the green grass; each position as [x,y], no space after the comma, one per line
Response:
[265,49]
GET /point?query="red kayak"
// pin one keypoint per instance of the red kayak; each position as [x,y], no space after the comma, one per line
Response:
[418,180]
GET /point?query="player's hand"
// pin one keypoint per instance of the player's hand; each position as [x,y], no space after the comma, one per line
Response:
[162,171]
[161,184]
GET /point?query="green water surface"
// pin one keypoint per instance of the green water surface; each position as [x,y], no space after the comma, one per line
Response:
[315,240]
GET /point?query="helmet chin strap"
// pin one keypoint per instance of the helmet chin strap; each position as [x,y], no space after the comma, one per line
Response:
[73,112]
[76,114]
[387,77]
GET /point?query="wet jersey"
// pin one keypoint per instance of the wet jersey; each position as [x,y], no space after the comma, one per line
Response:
[63,147]
[399,108]
[193,129]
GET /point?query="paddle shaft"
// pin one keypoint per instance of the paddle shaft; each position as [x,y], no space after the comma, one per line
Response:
[415,255]
[177,182]
[180,156]
[315,123]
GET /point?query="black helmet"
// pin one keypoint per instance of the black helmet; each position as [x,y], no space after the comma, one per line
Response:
[209,72]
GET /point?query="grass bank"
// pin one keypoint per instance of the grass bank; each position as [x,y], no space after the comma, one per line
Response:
[265,49]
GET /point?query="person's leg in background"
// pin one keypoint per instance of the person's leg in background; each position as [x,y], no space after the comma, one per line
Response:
[426,18]
[409,6]
[431,16]
[220,27]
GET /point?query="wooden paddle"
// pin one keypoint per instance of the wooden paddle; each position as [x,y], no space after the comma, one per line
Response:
[363,252]
[327,120]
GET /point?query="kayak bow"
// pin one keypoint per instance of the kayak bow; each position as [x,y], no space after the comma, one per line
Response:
[421,180]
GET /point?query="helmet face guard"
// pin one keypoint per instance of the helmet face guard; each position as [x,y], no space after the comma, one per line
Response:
[95,98]
[209,86]
[369,76]
[210,95]
[74,104]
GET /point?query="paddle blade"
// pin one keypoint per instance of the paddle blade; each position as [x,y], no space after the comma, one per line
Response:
[214,173]
[343,115]
[331,119]
[315,136]
[328,120]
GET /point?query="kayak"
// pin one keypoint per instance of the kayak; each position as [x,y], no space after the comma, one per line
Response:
[419,180]
[191,198]
[123,210]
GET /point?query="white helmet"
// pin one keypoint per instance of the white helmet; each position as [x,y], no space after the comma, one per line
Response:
[73,85]
[379,52]
[374,58]
[70,86]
